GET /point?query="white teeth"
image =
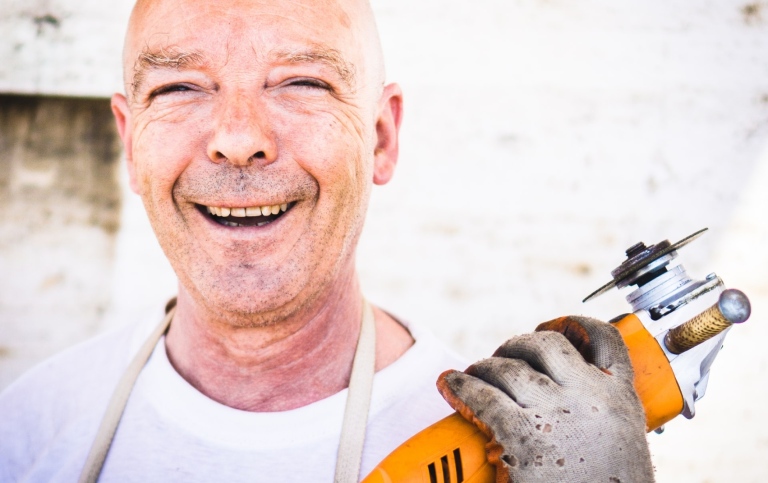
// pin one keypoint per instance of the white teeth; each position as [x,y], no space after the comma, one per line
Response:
[249,211]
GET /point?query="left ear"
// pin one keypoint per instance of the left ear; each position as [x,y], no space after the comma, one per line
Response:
[387,131]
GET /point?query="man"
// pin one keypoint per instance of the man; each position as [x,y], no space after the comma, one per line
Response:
[253,133]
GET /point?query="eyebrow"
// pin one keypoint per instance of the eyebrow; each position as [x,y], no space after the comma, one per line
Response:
[323,55]
[165,57]
[175,58]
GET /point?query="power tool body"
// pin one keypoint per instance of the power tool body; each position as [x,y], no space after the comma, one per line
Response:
[673,335]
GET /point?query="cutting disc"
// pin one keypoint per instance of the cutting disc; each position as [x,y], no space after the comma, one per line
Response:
[641,260]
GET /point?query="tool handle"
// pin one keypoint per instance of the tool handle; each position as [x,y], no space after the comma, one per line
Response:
[451,450]
[732,308]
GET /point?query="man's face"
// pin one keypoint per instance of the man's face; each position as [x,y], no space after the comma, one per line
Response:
[253,131]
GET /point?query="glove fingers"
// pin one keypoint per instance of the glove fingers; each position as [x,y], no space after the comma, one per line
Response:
[516,378]
[575,333]
[477,401]
[546,352]
[488,408]
[600,343]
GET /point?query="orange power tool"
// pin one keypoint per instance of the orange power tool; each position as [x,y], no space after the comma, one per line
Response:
[674,333]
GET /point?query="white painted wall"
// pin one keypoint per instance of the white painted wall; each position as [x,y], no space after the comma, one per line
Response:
[541,139]
[62,47]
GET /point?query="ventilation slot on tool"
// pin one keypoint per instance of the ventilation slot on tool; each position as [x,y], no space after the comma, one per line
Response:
[445,466]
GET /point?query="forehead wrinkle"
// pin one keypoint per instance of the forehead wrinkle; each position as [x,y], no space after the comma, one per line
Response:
[164,58]
[320,54]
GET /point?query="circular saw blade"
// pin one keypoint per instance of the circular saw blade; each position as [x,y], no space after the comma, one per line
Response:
[622,272]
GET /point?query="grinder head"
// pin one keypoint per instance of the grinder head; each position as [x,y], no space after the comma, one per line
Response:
[643,263]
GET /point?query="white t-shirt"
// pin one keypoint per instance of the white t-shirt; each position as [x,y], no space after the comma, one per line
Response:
[172,432]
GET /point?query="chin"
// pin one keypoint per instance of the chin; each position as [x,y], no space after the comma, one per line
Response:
[261,294]
[252,300]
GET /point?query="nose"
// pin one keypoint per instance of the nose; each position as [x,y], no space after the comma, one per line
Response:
[241,133]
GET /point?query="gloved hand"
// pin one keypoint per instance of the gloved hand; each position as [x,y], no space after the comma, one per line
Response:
[551,415]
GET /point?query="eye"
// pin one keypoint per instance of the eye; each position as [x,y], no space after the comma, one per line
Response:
[170,88]
[309,82]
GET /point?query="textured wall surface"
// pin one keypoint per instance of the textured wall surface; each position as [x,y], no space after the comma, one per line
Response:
[62,47]
[60,199]
[541,139]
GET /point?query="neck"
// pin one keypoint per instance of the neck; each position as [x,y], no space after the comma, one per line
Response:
[274,367]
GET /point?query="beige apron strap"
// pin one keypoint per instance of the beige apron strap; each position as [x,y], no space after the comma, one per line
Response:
[106,432]
[350,455]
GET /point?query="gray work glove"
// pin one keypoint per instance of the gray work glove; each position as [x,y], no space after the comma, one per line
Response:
[552,416]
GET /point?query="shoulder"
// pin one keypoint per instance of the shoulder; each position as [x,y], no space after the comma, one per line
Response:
[74,371]
[411,378]
[429,350]
[63,397]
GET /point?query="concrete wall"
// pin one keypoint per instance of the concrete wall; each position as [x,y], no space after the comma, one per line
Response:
[541,139]
[60,198]
[62,47]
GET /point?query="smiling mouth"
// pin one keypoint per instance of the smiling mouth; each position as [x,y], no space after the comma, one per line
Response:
[250,216]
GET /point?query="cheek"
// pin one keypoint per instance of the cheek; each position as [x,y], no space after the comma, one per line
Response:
[163,147]
[343,175]
[333,146]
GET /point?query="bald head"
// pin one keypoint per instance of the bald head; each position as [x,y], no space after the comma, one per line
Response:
[339,34]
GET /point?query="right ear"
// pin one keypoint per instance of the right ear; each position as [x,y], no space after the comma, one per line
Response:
[125,129]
